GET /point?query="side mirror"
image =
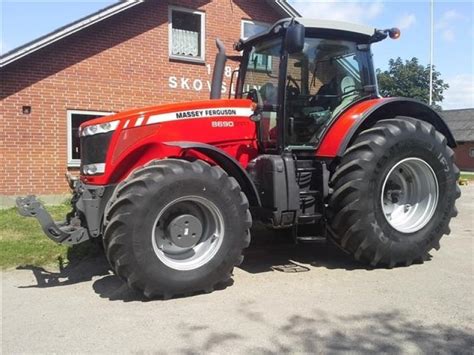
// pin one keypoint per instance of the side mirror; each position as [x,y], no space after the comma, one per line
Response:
[294,38]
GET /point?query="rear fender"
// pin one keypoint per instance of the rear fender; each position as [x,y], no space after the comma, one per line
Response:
[231,166]
[365,114]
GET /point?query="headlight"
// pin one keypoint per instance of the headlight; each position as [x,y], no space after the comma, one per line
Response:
[93,169]
[99,128]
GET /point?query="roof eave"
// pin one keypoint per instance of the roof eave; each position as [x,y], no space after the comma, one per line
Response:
[68,30]
[284,8]
[281,6]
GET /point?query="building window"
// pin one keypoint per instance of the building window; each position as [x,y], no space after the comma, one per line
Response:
[74,119]
[471,152]
[186,34]
[258,62]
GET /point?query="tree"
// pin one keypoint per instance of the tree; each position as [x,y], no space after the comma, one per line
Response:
[411,79]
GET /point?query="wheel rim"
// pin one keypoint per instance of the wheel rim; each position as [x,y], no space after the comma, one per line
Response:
[188,232]
[409,195]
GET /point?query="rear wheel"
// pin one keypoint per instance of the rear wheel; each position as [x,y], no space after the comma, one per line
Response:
[176,227]
[394,193]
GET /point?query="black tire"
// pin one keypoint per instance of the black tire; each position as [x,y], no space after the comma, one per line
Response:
[357,222]
[130,221]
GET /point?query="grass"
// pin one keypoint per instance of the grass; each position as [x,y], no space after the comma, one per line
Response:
[23,243]
[467,177]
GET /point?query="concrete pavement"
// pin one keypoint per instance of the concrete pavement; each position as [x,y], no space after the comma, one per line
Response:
[285,299]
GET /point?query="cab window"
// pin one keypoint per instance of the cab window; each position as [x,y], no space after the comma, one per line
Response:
[322,80]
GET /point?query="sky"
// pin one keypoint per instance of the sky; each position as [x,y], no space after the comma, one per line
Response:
[23,21]
[453,36]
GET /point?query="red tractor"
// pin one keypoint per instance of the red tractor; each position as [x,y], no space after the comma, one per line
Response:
[306,145]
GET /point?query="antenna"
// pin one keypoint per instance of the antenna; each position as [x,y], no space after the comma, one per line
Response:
[431,51]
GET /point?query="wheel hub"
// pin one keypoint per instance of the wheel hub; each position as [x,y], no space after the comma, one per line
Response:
[188,232]
[409,195]
[185,231]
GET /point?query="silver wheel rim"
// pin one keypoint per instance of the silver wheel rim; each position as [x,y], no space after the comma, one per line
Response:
[195,246]
[409,195]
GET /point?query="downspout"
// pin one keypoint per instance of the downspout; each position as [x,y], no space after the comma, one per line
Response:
[218,73]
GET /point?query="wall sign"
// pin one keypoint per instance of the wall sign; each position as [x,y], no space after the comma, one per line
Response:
[200,84]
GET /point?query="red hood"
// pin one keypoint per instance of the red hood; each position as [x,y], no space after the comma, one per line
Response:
[141,134]
[167,108]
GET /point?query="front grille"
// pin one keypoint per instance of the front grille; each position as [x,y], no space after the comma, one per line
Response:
[94,148]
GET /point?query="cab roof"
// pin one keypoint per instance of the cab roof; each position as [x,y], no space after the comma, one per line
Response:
[312,24]
[336,25]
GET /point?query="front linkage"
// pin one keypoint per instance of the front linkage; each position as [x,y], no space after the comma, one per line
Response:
[82,223]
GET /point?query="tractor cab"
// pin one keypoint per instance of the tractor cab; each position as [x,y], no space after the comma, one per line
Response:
[302,73]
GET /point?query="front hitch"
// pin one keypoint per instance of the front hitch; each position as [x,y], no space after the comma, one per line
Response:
[68,232]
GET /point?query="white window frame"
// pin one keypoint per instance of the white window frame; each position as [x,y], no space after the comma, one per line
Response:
[471,152]
[202,57]
[252,22]
[75,163]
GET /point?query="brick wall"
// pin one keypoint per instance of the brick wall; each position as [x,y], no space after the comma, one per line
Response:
[463,160]
[121,62]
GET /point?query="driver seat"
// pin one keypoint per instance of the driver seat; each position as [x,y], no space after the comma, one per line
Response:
[329,88]
[348,93]
[348,86]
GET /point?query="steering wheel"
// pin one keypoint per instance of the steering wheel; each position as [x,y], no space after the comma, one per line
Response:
[294,82]
[255,96]
[292,92]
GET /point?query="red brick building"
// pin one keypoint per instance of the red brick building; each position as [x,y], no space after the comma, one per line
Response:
[130,54]
[461,123]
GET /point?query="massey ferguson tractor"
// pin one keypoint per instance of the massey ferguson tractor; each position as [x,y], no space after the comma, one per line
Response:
[306,145]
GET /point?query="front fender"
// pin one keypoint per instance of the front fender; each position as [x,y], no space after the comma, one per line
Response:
[364,114]
[231,166]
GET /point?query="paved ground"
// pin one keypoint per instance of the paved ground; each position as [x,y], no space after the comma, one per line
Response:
[330,304]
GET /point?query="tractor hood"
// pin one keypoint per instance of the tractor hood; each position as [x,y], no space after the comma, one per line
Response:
[112,146]
[169,112]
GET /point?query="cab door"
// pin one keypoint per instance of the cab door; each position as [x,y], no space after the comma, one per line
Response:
[262,82]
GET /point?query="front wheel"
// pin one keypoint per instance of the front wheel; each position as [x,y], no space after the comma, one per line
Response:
[176,227]
[394,193]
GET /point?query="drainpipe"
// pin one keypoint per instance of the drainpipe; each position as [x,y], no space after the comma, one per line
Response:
[218,73]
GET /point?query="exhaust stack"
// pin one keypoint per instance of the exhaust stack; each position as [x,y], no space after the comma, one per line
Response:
[218,73]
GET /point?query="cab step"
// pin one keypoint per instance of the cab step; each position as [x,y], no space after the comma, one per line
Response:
[311,239]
